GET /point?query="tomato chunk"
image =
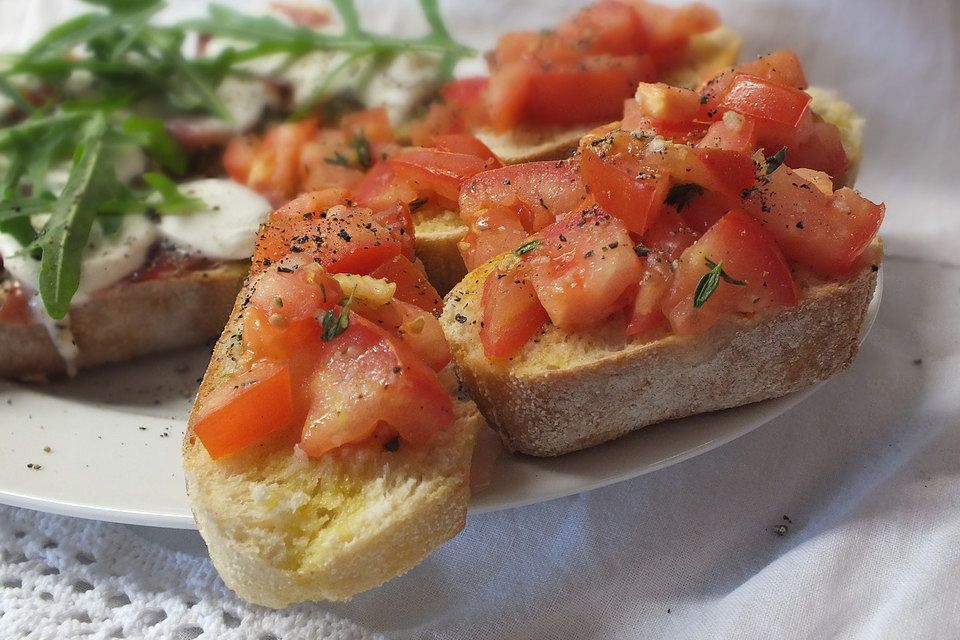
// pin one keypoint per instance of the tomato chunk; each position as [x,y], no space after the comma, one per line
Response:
[440,172]
[381,188]
[467,144]
[757,275]
[765,100]
[635,200]
[365,377]
[512,313]
[412,284]
[234,417]
[581,268]
[782,67]
[417,328]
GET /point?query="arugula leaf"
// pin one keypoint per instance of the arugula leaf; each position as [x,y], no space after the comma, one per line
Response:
[66,233]
[11,92]
[24,208]
[151,134]
[171,200]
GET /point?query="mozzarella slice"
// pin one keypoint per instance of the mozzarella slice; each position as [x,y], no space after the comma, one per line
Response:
[227,228]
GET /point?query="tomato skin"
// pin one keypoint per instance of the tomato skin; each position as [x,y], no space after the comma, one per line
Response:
[439,172]
[372,124]
[467,98]
[257,404]
[493,232]
[381,188]
[732,134]
[746,252]
[275,170]
[604,27]
[764,100]
[412,284]
[468,144]
[364,377]
[782,67]
[827,232]
[507,94]
[419,329]
[398,222]
[667,30]
[343,239]
[730,171]
[512,313]
[589,91]
[819,147]
[635,202]
[582,268]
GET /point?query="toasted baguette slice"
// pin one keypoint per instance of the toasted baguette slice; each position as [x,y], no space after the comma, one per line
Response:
[128,320]
[284,528]
[567,391]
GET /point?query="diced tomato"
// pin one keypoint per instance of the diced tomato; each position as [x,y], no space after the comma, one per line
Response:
[507,94]
[343,239]
[371,124]
[419,329]
[544,190]
[702,209]
[468,144]
[782,67]
[466,97]
[295,295]
[365,377]
[733,133]
[275,171]
[668,29]
[398,221]
[439,172]
[236,416]
[582,267]
[238,158]
[764,100]
[412,284]
[730,172]
[818,147]
[512,313]
[746,254]
[439,119]
[604,27]
[317,168]
[825,232]
[636,119]
[635,201]
[591,90]
[662,102]
[381,188]
[493,232]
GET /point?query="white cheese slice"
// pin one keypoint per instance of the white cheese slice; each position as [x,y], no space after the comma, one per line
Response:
[227,228]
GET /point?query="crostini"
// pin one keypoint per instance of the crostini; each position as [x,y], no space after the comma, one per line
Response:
[677,264]
[329,448]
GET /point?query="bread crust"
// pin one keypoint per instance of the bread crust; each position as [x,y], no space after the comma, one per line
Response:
[555,396]
[282,528]
[128,320]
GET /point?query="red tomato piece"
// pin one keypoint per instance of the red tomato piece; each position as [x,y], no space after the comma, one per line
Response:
[636,119]
[15,306]
[826,232]
[819,147]
[468,144]
[365,377]
[665,103]
[729,172]
[765,100]
[419,329]
[591,90]
[605,27]
[275,171]
[746,253]
[439,172]
[512,313]
[782,67]
[238,158]
[636,202]
[582,267]
[412,284]
[342,239]
[733,133]
[493,232]
[467,98]
[381,188]
[235,416]
[668,29]
[398,221]
[507,93]
[371,124]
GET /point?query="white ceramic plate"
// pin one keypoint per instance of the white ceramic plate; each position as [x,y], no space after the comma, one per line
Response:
[107,445]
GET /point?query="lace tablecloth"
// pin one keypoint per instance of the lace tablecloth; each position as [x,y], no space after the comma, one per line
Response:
[839,519]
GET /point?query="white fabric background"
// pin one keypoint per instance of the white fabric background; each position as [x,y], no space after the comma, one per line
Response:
[867,470]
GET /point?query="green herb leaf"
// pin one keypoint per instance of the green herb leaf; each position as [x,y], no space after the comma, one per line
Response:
[66,233]
[724,275]
[24,208]
[151,134]
[11,92]
[641,250]
[527,247]
[774,161]
[171,200]
[334,323]
[680,195]
[362,147]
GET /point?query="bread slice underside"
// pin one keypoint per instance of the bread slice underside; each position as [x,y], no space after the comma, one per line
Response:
[128,320]
[568,391]
[284,528]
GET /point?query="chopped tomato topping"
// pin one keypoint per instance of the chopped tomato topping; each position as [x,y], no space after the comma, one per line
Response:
[782,67]
[258,403]
[635,198]
[581,268]
[419,329]
[491,233]
[15,306]
[364,377]
[438,172]
[764,100]
[381,188]
[469,145]
[753,275]
[412,284]
[512,313]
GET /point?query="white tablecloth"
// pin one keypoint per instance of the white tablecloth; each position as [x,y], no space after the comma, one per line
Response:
[839,519]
